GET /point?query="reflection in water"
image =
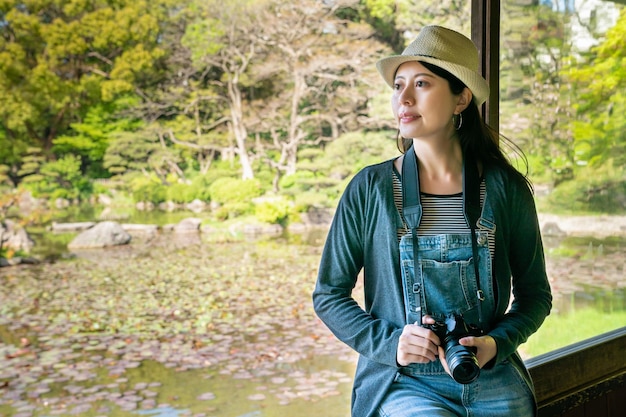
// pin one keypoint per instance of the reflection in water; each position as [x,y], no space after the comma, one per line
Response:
[162,412]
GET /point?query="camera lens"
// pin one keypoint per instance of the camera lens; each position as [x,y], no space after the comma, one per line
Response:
[462,363]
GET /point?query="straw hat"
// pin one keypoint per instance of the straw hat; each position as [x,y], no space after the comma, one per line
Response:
[446,49]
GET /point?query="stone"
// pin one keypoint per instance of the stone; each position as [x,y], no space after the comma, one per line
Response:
[103,234]
[14,237]
[552,229]
[188,225]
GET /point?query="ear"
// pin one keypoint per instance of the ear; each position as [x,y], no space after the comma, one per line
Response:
[465,98]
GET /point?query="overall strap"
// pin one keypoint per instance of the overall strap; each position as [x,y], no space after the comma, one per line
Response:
[412,208]
[471,210]
[411,205]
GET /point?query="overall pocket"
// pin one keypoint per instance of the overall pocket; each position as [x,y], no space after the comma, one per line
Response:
[449,287]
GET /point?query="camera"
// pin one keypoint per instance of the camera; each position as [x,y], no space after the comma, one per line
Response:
[461,359]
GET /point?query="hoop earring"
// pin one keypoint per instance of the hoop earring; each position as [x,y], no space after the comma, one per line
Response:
[460,119]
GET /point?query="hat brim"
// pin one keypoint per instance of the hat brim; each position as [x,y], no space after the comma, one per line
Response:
[387,68]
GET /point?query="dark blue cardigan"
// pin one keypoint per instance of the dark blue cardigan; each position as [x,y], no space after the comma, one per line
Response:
[363,237]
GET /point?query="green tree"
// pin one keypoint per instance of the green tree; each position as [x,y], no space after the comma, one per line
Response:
[60,57]
[143,152]
[317,79]
[90,138]
[413,15]
[223,41]
[534,92]
[600,126]
[61,178]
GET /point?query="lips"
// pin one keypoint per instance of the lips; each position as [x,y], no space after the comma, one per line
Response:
[408,117]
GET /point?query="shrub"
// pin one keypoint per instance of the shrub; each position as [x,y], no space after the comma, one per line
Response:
[591,191]
[308,199]
[180,192]
[274,210]
[234,195]
[297,183]
[148,190]
[200,188]
[233,190]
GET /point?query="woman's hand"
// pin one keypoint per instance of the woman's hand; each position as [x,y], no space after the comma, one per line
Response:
[486,350]
[421,345]
[417,345]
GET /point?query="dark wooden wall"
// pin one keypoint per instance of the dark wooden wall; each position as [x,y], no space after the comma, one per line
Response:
[587,379]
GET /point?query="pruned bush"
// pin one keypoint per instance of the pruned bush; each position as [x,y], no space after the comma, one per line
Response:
[273,210]
[235,196]
[148,190]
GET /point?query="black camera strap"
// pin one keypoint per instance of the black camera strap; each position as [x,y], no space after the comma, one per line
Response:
[412,210]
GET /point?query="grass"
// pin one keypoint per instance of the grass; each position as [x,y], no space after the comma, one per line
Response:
[563,329]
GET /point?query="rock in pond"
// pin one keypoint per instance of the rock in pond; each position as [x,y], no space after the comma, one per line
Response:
[103,234]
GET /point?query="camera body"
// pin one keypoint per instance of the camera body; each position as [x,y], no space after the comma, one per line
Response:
[461,359]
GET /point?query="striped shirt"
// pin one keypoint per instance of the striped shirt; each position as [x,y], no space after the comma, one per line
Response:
[441,214]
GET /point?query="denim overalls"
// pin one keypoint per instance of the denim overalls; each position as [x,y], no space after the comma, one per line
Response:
[444,282]
[440,282]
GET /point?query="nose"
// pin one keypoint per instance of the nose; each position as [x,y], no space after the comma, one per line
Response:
[406,97]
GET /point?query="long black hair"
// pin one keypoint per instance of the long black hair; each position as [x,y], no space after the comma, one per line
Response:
[478,140]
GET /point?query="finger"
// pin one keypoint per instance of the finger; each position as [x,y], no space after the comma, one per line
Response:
[469,341]
[422,332]
[407,355]
[419,341]
[444,362]
[485,347]
[421,354]
[415,346]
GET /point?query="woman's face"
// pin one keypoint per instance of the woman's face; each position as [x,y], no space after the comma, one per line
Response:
[423,103]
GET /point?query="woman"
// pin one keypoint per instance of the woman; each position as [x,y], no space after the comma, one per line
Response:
[439,331]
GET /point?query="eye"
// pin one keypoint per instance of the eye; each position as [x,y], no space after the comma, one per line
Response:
[396,86]
[421,83]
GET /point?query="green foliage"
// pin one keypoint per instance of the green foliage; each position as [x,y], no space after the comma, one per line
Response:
[600,127]
[186,192]
[233,190]
[323,174]
[200,185]
[59,58]
[382,16]
[130,152]
[556,332]
[304,200]
[31,164]
[235,196]
[174,93]
[148,189]
[179,192]
[354,151]
[273,210]
[4,175]
[296,183]
[61,178]
[537,169]
[90,138]
[594,190]
[535,95]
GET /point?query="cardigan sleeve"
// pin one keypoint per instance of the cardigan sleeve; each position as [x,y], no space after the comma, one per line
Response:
[343,258]
[532,298]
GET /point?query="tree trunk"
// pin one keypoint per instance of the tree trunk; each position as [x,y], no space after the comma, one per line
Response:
[239,130]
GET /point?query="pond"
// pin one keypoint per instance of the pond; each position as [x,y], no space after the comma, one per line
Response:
[198,327]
